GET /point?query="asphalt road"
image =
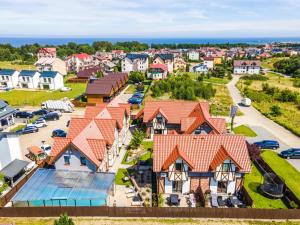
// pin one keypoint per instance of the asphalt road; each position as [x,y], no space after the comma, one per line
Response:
[264,127]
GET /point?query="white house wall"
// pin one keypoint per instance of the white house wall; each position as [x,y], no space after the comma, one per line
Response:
[10,150]
[213,186]
[168,186]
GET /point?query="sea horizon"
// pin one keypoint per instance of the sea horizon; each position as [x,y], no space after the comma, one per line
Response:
[19,41]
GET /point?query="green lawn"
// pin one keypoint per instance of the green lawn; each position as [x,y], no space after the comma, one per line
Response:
[15,66]
[251,183]
[147,145]
[132,87]
[244,130]
[283,169]
[35,98]
[214,80]
[268,63]
[120,175]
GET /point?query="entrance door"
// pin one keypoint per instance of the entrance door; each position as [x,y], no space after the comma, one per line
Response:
[177,186]
[222,186]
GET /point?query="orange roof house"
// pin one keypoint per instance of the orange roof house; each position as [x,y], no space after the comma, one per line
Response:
[200,163]
[183,116]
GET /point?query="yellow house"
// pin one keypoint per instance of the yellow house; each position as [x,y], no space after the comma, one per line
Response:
[217,60]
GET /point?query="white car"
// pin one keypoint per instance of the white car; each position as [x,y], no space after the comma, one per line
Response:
[246,102]
[46,148]
[38,124]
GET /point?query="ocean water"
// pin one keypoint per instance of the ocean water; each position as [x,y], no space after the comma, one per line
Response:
[18,41]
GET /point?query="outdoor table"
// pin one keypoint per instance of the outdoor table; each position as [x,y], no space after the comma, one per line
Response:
[174,199]
[235,201]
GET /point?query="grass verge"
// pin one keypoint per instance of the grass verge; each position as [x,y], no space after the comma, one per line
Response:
[251,183]
[283,169]
[244,130]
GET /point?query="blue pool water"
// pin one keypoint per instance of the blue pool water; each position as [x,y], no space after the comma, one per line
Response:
[48,187]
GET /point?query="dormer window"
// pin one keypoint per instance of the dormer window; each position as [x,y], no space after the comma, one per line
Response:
[178,166]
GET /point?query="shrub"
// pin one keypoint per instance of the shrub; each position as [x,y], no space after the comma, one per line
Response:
[255,77]
[64,220]
[136,76]
[137,138]
[160,200]
[296,82]
[275,110]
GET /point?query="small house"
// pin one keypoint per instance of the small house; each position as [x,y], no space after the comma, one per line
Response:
[51,80]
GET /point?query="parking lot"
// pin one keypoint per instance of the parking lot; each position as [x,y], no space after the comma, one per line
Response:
[263,134]
[45,133]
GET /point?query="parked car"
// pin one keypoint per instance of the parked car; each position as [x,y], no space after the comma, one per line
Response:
[246,102]
[51,116]
[59,133]
[138,95]
[135,100]
[24,114]
[267,144]
[28,130]
[40,112]
[292,153]
[38,123]
[46,148]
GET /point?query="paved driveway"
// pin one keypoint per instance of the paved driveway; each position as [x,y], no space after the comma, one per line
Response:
[44,134]
[264,127]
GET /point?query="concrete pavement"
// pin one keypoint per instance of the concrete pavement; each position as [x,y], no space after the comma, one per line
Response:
[264,127]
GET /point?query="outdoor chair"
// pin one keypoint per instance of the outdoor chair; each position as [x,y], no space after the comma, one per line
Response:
[214,200]
[220,201]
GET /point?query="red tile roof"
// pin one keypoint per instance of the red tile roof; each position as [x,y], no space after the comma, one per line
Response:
[220,157]
[190,115]
[246,63]
[89,136]
[82,55]
[35,150]
[48,50]
[159,66]
[201,150]
[174,155]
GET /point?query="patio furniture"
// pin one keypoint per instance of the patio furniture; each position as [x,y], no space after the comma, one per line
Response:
[214,200]
[136,203]
[192,200]
[174,199]
[220,201]
[235,201]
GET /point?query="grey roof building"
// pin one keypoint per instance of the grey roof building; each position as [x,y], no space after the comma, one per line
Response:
[6,115]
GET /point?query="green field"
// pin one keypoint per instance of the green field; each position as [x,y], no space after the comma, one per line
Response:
[15,66]
[290,117]
[251,183]
[284,169]
[268,63]
[120,175]
[35,98]
[244,130]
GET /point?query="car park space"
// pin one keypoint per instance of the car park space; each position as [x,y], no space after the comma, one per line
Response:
[263,134]
[44,134]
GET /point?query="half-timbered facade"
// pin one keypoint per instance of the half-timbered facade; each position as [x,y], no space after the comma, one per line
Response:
[164,117]
[200,163]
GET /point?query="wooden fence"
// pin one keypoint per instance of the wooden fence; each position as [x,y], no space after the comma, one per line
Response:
[238,213]
[76,80]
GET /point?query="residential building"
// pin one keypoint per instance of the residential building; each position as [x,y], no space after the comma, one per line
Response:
[119,112]
[51,80]
[108,66]
[78,62]
[6,115]
[217,60]
[167,59]
[135,62]
[246,67]
[118,54]
[29,79]
[10,148]
[200,68]
[157,72]
[200,164]
[193,55]
[9,78]
[93,142]
[105,88]
[209,62]
[51,64]
[89,73]
[46,53]
[182,117]
[179,64]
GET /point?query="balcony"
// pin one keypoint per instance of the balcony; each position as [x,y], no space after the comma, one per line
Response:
[178,175]
[159,125]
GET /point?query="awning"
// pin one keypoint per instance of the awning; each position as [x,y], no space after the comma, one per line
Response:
[14,168]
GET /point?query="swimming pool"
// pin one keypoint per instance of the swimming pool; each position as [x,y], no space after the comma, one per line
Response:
[49,187]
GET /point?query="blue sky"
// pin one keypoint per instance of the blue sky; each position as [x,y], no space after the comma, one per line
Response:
[150,18]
